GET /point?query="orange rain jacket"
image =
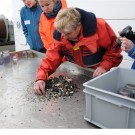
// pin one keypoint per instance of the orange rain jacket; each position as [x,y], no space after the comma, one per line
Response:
[46,27]
[95,47]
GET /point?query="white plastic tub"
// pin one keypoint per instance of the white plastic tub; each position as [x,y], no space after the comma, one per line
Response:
[104,107]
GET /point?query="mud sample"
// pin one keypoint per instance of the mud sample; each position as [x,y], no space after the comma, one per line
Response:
[61,86]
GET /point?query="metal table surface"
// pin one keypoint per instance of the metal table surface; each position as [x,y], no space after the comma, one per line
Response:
[21,108]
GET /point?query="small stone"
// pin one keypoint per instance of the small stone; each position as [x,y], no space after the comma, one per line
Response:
[77,100]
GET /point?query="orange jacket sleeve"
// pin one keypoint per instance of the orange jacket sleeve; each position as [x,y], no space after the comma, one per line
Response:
[112,56]
[50,63]
[42,31]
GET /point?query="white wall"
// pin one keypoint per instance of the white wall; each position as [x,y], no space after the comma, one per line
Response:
[6,9]
[118,13]
[108,9]
[20,41]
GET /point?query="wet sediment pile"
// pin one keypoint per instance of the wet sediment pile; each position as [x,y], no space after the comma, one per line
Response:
[56,87]
[60,87]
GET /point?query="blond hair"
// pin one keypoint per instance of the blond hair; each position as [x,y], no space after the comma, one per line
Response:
[67,19]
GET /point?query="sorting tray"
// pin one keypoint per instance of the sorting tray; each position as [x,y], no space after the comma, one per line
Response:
[104,106]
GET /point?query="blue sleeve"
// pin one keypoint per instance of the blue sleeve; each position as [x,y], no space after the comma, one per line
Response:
[131,53]
[24,28]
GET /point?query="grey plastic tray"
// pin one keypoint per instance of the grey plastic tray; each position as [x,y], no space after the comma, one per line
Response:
[104,107]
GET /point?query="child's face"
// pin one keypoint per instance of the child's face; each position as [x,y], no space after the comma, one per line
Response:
[29,3]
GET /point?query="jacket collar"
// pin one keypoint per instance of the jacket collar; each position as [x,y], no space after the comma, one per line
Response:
[88,21]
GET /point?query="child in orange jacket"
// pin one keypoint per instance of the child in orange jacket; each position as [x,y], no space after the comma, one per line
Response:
[50,10]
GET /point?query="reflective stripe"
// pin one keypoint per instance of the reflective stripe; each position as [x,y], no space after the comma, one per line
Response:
[77,48]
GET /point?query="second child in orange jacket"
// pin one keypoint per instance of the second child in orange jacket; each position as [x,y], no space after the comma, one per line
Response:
[85,40]
[46,25]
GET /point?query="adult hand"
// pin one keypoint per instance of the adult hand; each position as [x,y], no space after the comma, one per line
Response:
[39,87]
[126,44]
[99,71]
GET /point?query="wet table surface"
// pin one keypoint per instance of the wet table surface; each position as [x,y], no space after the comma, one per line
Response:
[21,108]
